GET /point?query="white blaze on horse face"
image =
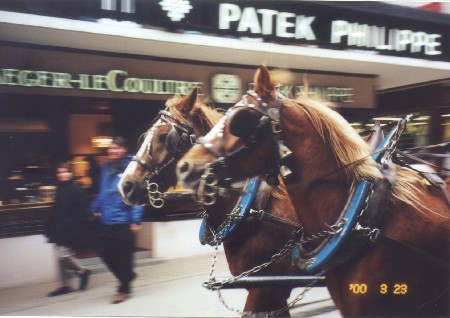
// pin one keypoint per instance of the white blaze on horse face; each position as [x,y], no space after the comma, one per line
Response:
[215,132]
[133,165]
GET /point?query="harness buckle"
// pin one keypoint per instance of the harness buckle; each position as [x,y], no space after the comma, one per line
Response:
[259,214]
[372,234]
[276,126]
[193,139]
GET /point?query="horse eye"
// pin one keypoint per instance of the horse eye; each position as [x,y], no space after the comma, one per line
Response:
[162,138]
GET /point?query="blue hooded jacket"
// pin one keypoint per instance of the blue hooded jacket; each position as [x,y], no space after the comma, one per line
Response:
[109,201]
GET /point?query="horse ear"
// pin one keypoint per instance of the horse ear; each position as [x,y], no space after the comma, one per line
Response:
[243,124]
[264,86]
[187,103]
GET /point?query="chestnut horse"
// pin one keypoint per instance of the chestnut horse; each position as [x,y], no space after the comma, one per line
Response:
[253,242]
[409,274]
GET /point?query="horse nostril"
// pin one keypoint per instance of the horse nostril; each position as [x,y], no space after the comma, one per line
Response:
[128,187]
[183,167]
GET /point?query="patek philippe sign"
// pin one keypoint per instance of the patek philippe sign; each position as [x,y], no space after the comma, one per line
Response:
[373,26]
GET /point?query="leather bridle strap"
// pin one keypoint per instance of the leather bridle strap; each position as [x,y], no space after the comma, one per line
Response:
[187,128]
[269,117]
[376,236]
[269,217]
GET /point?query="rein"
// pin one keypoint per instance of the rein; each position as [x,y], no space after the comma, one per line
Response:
[178,139]
[376,236]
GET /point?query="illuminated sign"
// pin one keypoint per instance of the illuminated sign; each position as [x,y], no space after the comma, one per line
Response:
[226,88]
[371,36]
[176,9]
[261,21]
[331,94]
[290,25]
[114,81]
[341,25]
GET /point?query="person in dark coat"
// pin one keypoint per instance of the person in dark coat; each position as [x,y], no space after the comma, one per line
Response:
[65,228]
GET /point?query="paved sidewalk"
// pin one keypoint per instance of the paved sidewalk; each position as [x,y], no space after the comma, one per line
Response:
[163,288]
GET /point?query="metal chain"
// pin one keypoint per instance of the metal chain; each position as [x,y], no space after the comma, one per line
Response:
[291,304]
[221,230]
[287,248]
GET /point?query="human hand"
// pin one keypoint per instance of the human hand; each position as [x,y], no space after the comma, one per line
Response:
[135,227]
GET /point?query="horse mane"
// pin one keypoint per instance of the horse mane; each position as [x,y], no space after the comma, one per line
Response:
[351,149]
[207,115]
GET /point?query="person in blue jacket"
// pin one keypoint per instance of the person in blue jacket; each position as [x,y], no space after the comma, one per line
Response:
[119,222]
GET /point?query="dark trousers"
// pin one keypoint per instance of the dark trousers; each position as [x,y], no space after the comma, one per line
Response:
[116,247]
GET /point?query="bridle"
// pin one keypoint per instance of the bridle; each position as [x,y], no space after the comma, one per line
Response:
[180,138]
[217,177]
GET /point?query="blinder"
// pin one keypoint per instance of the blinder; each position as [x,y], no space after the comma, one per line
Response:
[244,126]
[241,126]
[179,139]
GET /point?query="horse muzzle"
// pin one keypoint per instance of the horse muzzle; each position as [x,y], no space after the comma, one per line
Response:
[189,174]
[132,192]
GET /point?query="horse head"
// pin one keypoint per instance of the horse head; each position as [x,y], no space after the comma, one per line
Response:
[267,134]
[241,144]
[152,169]
[328,161]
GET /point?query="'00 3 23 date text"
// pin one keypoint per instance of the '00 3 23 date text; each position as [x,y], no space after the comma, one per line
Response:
[384,289]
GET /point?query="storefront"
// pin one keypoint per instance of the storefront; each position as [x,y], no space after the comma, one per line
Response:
[58,104]
[73,72]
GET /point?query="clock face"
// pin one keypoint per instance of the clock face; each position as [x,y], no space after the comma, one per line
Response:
[226,88]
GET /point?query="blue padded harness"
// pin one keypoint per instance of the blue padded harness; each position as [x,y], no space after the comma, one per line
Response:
[356,204]
[240,213]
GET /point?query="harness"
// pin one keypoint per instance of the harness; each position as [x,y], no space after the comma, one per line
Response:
[364,208]
[210,183]
[251,206]
[180,138]
[239,213]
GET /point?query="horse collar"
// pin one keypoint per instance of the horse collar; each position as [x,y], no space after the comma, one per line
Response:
[364,207]
[240,212]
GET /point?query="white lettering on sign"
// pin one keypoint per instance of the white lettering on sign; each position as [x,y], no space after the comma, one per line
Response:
[371,36]
[265,22]
[331,94]
[114,81]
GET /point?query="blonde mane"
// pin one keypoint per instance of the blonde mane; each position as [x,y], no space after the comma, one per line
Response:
[350,149]
[206,114]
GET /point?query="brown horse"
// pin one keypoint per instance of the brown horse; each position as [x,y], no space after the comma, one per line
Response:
[252,244]
[407,278]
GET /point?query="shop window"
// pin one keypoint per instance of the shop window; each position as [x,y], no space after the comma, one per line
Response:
[416,133]
[446,124]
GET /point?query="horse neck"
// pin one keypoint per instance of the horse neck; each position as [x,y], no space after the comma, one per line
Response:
[317,200]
